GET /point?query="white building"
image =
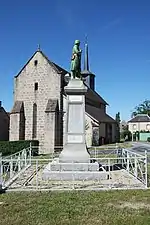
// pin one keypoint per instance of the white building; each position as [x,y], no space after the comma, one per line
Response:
[141,122]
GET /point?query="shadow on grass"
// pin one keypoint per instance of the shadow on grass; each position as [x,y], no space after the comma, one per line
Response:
[2,191]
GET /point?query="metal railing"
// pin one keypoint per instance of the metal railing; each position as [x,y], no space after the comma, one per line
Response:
[120,169]
[12,166]
[135,164]
[124,170]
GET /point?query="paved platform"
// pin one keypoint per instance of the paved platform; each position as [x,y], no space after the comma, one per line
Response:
[32,180]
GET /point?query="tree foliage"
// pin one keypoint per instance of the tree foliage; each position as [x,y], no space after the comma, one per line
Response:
[11,147]
[118,127]
[118,118]
[126,134]
[142,108]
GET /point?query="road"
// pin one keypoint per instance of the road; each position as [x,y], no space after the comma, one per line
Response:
[141,147]
[137,147]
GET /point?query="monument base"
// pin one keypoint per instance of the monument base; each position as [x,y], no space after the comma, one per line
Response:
[75,176]
[74,153]
[58,166]
[73,171]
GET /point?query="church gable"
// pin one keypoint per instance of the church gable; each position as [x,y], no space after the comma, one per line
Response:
[40,58]
[37,65]
[39,76]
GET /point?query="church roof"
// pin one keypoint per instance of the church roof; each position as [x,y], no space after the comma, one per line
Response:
[94,97]
[98,114]
[52,105]
[17,107]
[57,68]
[2,110]
[86,70]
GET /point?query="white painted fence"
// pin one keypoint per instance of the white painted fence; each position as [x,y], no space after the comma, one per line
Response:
[14,165]
[125,169]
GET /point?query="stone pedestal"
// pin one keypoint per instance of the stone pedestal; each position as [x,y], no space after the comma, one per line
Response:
[56,171]
[75,147]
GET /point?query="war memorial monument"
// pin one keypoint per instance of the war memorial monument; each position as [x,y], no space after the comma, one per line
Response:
[74,160]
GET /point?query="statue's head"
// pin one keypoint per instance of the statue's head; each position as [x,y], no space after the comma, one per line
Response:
[77,42]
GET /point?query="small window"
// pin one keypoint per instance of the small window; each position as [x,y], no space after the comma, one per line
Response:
[36,86]
[148,127]
[35,62]
[134,126]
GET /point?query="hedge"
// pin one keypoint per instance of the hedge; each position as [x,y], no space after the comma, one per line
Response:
[11,147]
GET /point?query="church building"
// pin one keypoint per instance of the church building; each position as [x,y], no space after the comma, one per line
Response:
[39,109]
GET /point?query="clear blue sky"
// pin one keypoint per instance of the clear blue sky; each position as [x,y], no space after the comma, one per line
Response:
[118,36]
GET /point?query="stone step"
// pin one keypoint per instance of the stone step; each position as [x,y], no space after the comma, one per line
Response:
[72,167]
[74,176]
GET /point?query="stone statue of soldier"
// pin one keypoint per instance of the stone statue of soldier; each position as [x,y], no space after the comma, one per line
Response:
[76,61]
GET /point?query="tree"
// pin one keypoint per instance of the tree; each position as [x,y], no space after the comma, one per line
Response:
[118,127]
[142,108]
[118,118]
[126,134]
[95,136]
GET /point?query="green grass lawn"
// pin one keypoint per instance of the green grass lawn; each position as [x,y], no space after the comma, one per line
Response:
[75,208]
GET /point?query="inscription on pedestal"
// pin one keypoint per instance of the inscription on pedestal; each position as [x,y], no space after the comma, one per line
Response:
[75,138]
[75,118]
[76,98]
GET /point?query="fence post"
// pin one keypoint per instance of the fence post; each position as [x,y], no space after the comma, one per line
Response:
[109,172]
[1,172]
[135,167]
[22,159]
[25,157]
[11,167]
[73,176]
[116,145]
[146,169]
[128,161]
[30,153]
[37,174]
[122,157]
[19,163]
[31,147]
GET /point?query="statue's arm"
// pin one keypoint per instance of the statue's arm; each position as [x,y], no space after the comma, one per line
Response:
[76,49]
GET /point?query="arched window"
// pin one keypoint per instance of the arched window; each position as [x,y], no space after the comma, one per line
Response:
[148,127]
[34,125]
[134,127]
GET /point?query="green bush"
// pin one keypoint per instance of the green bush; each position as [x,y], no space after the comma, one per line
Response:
[144,131]
[148,139]
[11,147]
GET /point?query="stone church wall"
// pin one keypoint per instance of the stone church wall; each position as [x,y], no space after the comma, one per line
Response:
[37,82]
[88,130]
